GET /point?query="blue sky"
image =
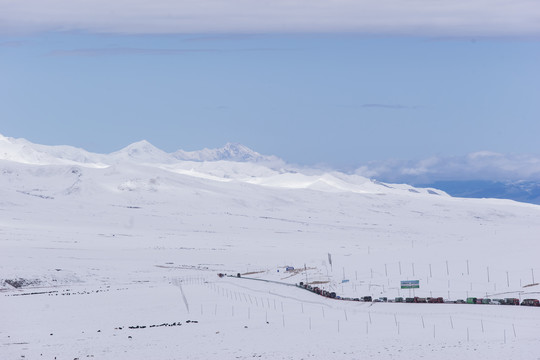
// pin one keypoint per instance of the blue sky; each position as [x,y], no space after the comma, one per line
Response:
[335,97]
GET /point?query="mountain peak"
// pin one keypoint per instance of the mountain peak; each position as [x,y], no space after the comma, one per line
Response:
[229,152]
[238,152]
[142,151]
[138,146]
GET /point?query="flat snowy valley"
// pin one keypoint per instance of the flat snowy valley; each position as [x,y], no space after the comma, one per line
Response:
[117,257]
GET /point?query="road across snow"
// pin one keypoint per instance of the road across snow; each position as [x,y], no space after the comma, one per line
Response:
[230,319]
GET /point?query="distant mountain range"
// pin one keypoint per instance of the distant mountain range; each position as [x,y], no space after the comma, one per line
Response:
[231,163]
[246,165]
[23,151]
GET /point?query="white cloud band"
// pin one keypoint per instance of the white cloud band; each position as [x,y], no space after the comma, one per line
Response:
[482,165]
[403,17]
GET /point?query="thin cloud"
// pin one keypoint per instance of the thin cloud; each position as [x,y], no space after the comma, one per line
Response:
[388,106]
[428,18]
[127,51]
[146,51]
[214,38]
[218,107]
[11,44]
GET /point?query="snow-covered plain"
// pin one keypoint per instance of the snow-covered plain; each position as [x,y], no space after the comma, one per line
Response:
[93,244]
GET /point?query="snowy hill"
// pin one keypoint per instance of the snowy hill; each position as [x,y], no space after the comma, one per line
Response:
[115,256]
[23,151]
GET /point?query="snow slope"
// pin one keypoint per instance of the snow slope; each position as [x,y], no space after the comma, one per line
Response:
[91,245]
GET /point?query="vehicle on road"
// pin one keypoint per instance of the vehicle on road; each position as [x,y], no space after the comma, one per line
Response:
[530,302]
[511,301]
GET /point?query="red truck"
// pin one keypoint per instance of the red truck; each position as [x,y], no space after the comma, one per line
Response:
[530,302]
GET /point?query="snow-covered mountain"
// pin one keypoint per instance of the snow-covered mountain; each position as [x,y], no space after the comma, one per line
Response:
[233,162]
[230,152]
[141,152]
[23,151]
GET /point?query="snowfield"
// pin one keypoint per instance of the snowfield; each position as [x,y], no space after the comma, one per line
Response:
[116,257]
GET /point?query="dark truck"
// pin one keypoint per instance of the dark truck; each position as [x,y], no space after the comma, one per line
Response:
[435,300]
[530,302]
[511,301]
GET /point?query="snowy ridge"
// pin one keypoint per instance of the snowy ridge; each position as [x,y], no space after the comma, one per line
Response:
[233,162]
[25,152]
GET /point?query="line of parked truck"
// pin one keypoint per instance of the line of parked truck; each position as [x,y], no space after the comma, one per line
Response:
[416,299]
